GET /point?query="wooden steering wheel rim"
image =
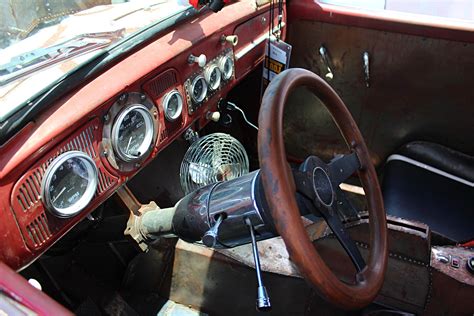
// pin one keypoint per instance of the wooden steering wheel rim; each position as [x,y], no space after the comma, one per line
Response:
[279,190]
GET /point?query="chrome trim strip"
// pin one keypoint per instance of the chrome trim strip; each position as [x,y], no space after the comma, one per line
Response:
[430,168]
[244,51]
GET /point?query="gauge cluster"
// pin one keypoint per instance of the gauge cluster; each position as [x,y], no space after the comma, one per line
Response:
[213,77]
[82,148]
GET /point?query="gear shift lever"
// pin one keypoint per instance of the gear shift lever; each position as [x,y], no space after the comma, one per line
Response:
[263,300]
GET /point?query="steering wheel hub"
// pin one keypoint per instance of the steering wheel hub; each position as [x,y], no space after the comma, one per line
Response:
[323,187]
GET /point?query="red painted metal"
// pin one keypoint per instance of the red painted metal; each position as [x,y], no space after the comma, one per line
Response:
[29,148]
[15,286]
[400,22]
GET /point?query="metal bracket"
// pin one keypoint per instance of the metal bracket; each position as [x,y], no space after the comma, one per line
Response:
[136,211]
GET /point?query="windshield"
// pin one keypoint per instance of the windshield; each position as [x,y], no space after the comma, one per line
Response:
[42,40]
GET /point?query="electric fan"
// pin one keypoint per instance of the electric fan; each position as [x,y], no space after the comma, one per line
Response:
[212,158]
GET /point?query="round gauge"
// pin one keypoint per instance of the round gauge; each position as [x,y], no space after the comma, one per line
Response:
[226,66]
[198,89]
[213,77]
[69,183]
[132,133]
[172,105]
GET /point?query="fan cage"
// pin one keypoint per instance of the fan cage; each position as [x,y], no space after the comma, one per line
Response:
[213,158]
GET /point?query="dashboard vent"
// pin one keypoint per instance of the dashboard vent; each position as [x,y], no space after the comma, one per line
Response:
[37,226]
[38,230]
[105,182]
[30,192]
[158,85]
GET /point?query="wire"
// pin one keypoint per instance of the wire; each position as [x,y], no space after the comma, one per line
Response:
[243,114]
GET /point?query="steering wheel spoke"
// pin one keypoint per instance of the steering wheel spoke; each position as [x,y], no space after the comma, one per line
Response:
[303,183]
[342,167]
[337,227]
[345,207]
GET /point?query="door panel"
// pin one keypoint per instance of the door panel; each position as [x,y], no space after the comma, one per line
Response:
[420,89]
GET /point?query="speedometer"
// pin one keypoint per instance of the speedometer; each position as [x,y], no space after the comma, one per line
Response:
[213,77]
[198,89]
[132,133]
[69,183]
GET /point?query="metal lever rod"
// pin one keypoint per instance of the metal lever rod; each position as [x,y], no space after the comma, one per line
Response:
[365,59]
[210,237]
[326,60]
[263,300]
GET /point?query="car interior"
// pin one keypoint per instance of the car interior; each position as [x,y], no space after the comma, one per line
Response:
[294,157]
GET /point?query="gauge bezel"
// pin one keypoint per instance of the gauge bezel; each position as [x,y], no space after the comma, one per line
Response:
[89,193]
[230,72]
[166,101]
[207,76]
[203,94]
[148,141]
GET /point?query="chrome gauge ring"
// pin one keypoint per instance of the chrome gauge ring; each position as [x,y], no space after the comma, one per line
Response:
[226,66]
[132,133]
[213,77]
[69,184]
[198,89]
[172,105]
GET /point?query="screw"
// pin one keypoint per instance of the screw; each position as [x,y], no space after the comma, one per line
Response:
[143,97]
[123,98]
[106,117]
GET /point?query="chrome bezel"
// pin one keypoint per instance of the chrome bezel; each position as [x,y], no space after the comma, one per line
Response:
[147,143]
[166,101]
[203,94]
[86,197]
[207,76]
[226,75]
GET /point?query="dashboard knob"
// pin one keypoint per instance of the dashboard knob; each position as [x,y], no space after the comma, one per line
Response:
[231,39]
[200,60]
[214,116]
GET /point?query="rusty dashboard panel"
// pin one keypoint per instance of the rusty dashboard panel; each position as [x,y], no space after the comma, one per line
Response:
[37,225]
[153,86]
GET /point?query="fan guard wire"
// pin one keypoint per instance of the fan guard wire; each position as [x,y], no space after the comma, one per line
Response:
[212,158]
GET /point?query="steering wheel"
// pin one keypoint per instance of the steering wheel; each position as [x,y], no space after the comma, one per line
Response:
[319,183]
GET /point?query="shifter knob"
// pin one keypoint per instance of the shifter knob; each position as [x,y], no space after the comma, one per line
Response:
[263,300]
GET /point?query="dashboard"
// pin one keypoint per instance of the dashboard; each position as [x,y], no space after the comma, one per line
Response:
[77,153]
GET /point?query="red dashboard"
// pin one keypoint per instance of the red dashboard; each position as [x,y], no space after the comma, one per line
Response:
[84,120]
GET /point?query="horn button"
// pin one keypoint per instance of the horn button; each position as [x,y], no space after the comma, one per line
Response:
[322,186]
